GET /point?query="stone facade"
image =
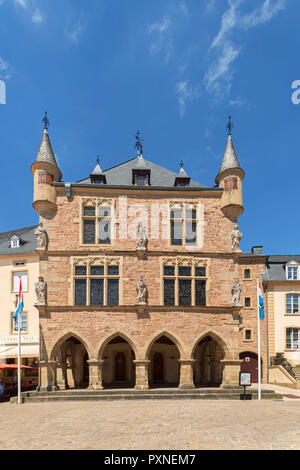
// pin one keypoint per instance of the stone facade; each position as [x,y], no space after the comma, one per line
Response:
[140,345]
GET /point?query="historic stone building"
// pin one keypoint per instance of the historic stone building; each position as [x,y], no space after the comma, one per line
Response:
[142,280]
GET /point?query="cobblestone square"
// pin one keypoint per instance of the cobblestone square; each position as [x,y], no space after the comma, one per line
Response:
[146,425]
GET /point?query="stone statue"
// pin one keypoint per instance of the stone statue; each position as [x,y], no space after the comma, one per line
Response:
[141,290]
[236,237]
[41,291]
[42,238]
[141,237]
[236,293]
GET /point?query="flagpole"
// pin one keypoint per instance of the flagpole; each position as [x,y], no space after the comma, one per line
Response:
[19,361]
[258,340]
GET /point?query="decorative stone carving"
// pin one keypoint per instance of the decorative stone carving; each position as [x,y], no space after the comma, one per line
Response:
[236,293]
[236,237]
[141,290]
[42,238]
[41,291]
[141,237]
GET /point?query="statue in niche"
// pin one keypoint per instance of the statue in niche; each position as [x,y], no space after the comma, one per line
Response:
[141,290]
[236,293]
[236,237]
[41,234]
[141,237]
[41,291]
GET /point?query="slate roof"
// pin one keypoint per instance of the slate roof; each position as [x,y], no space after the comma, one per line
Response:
[45,153]
[122,175]
[276,267]
[230,159]
[26,234]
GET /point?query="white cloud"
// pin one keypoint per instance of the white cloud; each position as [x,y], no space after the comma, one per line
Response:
[74,33]
[21,3]
[37,16]
[186,93]
[238,102]
[184,8]
[6,70]
[210,5]
[162,38]
[219,73]
[263,13]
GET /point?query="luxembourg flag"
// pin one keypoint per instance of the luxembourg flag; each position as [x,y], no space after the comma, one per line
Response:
[260,302]
[20,302]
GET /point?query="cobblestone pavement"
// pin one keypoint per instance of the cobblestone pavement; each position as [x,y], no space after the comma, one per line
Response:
[160,425]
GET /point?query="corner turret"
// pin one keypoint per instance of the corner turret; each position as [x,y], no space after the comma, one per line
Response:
[230,178]
[45,171]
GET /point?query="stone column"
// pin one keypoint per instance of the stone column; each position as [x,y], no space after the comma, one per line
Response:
[231,372]
[186,373]
[95,374]
[141,374]
[47,376]
[61,373]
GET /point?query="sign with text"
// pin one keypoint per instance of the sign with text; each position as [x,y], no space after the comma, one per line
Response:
[245,379]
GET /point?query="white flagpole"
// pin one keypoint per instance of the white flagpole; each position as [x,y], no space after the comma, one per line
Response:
[19,360]
[258,340]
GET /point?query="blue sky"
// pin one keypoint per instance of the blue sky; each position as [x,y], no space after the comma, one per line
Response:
[175,69]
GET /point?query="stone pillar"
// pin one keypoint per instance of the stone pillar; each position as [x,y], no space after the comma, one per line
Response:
[231,372]
[47,376]
[186,373]
[95,374]
[141,374]
[61,373]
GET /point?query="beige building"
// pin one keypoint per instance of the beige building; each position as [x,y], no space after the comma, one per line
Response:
[282,284]
[143,282]
[19,259]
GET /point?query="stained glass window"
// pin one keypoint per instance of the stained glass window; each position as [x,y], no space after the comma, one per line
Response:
[200,293]
[96,291]
[185,271]
[89,211]
[169,292]
[169,271]
[185,293]
[200,272]
[113,292]
[80,270]
[113,270]
[89,232]
[97,270]
[80,291]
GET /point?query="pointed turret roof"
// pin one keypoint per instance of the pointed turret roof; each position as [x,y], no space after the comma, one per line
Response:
[230,159]
[97,170]
[45,153]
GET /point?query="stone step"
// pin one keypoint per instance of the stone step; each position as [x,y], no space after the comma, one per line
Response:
[151,395]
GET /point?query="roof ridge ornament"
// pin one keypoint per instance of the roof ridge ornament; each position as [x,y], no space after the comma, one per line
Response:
[45,121]
[138,144]
[229,126]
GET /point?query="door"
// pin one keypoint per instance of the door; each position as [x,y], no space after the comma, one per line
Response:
[250,364]
[120,366]
[158,367]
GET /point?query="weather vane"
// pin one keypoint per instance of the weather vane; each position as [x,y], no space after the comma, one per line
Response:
[181,164]
[229,126]
[98,159]
[46,121]
[138,144]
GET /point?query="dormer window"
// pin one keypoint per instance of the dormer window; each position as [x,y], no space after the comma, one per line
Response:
[141,177]
[15,242]
[292,271]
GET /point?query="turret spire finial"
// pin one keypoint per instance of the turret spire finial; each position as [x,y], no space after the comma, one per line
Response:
[138,144]
[46,121]
[181,164]
[229,126]
[98,160]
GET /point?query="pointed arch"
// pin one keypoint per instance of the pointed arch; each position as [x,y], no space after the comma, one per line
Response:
[124,336]
[168,335]
[59,342]
[214,336]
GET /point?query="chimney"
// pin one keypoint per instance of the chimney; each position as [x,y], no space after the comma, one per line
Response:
[257,250]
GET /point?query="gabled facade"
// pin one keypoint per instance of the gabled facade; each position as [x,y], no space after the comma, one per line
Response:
[282,283]
[143,282]
[19,259]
